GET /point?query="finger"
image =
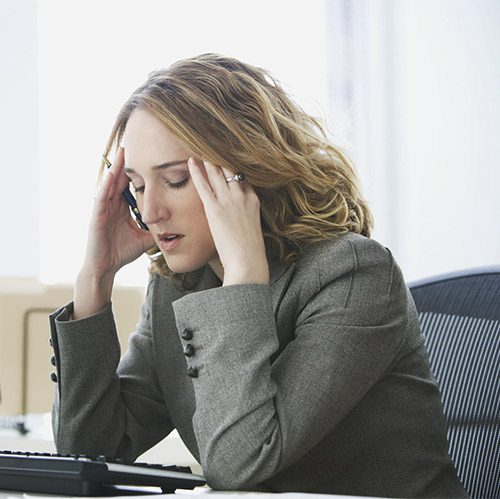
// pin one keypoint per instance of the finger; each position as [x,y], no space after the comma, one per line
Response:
[233,183]
[105,190]
[226,173]
[217,177]
[200,181]
[117,168]
[110,189]
[118,161]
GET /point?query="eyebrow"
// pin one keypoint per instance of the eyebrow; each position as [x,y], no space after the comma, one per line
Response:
[162,166]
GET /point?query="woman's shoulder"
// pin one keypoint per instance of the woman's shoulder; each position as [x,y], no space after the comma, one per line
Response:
[351,273]
[347,252]
[351,262]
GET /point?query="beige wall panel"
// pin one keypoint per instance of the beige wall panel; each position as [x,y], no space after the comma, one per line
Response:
[24,331]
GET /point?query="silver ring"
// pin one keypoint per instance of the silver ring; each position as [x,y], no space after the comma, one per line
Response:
[238,177]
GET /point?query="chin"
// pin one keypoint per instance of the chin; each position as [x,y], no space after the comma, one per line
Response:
[182,265]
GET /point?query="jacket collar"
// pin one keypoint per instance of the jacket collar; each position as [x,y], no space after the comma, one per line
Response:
[276,271]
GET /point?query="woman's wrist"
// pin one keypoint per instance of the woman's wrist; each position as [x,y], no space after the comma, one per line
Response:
[91,294]
[241,275]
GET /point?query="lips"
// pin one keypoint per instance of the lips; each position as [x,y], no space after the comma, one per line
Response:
[169,240]
[167,236]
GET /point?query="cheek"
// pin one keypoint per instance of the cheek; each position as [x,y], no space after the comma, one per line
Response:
[192,204]
[198,219]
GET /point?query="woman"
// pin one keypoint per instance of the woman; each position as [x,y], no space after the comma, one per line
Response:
[276,337]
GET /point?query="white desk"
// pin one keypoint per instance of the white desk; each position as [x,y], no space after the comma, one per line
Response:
[187,494]
[170,450]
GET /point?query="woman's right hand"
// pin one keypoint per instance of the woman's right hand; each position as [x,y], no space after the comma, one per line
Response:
[114,240]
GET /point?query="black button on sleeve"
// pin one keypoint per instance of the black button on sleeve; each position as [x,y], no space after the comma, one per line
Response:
[187,334]
[53,377]
[53,360]
[188,350]
[50,341]
[192,372]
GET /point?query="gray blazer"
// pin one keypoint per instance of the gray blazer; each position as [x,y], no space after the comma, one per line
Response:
[318,382]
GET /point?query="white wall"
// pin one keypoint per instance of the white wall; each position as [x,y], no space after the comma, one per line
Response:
[19,243]
[447,134]
[414,91]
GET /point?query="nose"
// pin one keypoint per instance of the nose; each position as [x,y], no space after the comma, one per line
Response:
[153,206]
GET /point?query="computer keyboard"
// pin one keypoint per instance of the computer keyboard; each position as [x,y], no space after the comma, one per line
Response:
[72,474]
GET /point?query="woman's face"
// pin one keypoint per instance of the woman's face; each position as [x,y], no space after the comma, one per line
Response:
[156,163]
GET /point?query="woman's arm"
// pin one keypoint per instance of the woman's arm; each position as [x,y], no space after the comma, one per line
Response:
[104,406]
[254,418]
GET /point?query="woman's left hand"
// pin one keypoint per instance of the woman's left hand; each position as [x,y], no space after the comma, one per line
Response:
[233,214]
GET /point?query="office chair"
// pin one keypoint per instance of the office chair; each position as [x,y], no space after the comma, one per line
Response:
[460,318]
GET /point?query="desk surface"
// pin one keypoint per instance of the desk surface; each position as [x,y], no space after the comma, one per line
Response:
[186,494]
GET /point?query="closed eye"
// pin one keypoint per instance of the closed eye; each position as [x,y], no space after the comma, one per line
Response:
[177,185]
[171,185]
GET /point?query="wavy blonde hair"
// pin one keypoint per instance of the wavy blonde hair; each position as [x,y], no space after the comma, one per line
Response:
[238,116]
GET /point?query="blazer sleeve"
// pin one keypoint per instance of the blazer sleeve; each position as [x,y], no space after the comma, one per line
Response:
[104,406]
[255,417]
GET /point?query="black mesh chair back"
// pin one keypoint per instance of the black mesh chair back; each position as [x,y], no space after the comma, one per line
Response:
[460,318]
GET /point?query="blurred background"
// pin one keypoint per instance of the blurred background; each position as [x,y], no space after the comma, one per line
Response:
[408,88]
